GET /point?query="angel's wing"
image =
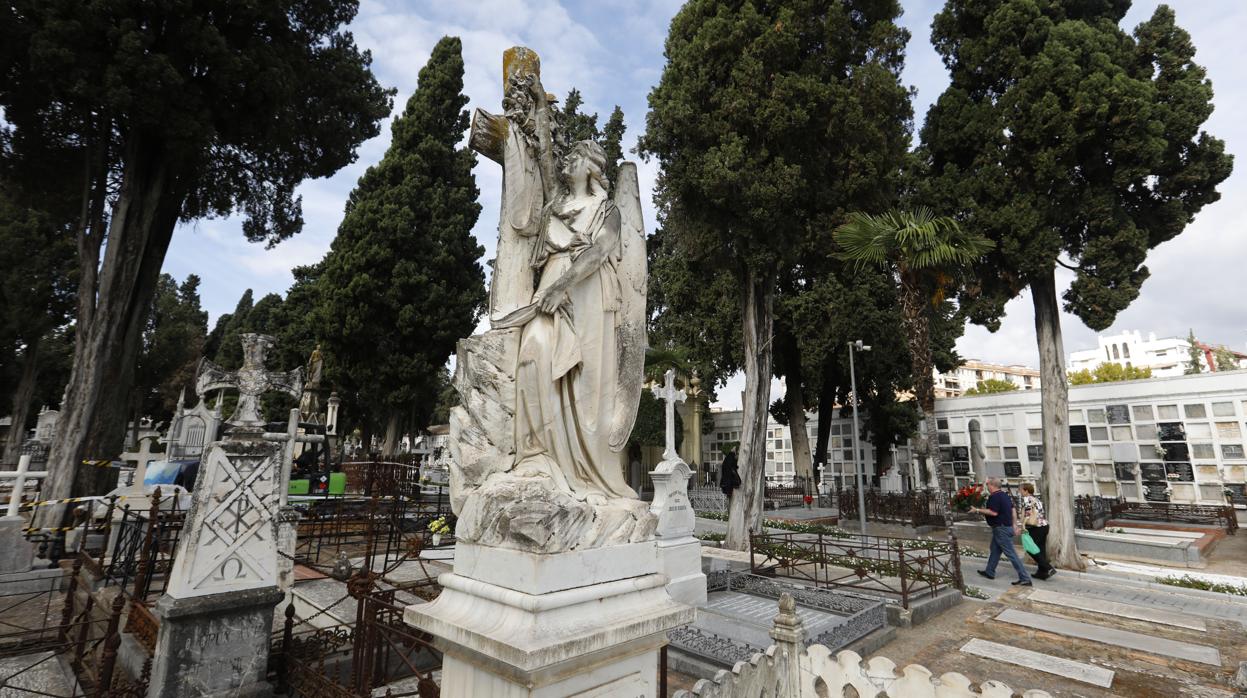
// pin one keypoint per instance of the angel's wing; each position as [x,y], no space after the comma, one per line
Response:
[630,319]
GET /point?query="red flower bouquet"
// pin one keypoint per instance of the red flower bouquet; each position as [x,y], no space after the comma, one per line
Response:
[968,497]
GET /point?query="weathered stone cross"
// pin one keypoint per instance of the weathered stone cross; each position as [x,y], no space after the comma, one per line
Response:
[670,395]
[251,380]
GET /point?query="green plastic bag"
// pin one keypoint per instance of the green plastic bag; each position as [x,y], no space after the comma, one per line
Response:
[1028,543]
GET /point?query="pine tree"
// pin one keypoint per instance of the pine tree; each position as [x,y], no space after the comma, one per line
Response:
[401,283]
[1195,355]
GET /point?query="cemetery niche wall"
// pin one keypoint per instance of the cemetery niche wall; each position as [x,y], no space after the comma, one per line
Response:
[557,586]
[1177,439]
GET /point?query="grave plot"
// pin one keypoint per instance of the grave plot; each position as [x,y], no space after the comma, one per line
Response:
[1080,640]
[736,619]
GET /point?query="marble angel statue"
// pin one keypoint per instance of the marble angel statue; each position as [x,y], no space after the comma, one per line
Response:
[550,391]
[578,374]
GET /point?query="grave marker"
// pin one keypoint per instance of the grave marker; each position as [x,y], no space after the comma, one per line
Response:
[217,611]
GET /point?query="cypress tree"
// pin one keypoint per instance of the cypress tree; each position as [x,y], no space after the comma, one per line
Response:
[1068,141]
[401,283]
[770,119]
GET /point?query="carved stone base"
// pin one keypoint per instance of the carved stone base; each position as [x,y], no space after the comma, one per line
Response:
[680,560]
[16,553]
[514,637]
[530,514]
[214,646]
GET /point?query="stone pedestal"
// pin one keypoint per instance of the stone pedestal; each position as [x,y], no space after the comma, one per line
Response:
[16,553]
[513,624]
[214,645]
[679,551]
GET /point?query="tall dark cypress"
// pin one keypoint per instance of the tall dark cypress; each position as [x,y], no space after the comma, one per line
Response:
[402,282]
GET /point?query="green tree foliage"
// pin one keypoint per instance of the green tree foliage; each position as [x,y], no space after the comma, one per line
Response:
[172,345]
[1225,358]
[928,256]
[173,120]
[576,125]
[401,283]
[612,144]
[650,429]
[36,291]
[225,342]
[1194,354]
[294,323]
[769,120]
[1069,141]
[992,386]
[1107,373]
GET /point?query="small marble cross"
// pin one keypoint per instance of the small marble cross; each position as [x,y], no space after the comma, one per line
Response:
[251,381]
[668,394]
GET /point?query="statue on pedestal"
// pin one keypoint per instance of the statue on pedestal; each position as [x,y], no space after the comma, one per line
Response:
[550,393]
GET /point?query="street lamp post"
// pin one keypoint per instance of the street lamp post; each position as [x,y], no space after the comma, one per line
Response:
[857,458]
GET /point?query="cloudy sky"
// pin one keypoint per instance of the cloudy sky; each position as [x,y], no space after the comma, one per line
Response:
[612,51]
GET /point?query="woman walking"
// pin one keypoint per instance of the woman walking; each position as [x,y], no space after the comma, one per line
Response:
[1037,526]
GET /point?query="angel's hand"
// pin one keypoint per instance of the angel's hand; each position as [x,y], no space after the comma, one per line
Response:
[549,300]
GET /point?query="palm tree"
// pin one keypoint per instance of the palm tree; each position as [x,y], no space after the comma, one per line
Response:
[927,255]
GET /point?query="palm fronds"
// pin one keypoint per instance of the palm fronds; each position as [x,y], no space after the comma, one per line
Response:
[915,240]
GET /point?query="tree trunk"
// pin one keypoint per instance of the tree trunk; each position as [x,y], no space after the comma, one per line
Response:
[757,325]
[1058,473]
[918,340]
[390,446]
[110,323]
[21,401]
[826,412]
[802,459]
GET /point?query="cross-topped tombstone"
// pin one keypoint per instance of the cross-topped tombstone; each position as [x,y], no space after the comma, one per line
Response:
[251,381]
[669,394]
[679,553]
[217,611]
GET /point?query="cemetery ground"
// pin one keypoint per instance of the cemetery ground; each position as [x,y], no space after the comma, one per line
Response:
[1109,631]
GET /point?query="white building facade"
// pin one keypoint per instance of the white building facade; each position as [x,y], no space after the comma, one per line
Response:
[780,464]
[1182,438]
[969,374]
[1166,356]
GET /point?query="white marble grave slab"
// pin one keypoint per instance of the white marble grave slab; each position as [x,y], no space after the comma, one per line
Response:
[1112,636]
[1067,668]
[1161,532]
[1114,608]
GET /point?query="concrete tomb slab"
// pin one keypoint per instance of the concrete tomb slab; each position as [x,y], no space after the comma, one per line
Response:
[1201,654]
[1114,608]
[1066,668]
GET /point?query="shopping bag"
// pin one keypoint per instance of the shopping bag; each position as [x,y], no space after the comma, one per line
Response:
[1028,543]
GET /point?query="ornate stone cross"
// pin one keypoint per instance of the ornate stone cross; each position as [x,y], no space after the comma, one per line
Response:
[251,380]
[670,395]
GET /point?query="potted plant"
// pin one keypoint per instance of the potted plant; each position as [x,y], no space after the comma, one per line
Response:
[439,527]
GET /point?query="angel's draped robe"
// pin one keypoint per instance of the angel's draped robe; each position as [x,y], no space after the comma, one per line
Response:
[567,373]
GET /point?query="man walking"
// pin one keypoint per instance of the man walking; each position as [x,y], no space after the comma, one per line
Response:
[999,515]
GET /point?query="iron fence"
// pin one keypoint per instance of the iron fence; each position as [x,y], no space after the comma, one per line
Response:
[1169,512]
[915,508]
[66,622]
[1091,513]
[903,568]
